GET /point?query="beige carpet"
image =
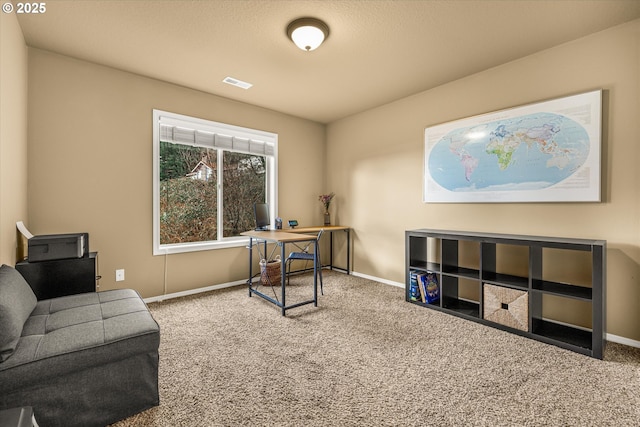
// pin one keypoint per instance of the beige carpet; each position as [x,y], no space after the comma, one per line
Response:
[365,357]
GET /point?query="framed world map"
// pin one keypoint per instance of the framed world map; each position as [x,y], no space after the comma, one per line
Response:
[543,152]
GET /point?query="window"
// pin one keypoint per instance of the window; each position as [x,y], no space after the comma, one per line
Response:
[206,178]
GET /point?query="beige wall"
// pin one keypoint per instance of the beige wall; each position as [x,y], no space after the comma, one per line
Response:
[90,165]
[90,168]
[374,164]
[13,134]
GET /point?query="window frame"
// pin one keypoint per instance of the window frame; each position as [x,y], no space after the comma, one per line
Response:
[228,131]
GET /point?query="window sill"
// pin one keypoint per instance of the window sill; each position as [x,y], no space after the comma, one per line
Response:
[232,242]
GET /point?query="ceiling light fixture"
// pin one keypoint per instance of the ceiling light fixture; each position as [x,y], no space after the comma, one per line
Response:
[307,33]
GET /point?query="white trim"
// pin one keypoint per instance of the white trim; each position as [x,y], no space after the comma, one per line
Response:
[623,340]
[161,298]
[178,248]
[378,279]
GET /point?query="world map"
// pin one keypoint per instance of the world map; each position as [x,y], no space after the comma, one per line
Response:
[528,152]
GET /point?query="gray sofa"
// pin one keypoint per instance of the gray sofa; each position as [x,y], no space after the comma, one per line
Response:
[80,360]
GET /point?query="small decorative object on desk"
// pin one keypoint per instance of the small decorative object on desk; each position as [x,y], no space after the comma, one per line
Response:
[326,201]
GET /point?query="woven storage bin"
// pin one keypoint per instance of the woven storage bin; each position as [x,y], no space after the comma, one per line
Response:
[271,271]
[506,306]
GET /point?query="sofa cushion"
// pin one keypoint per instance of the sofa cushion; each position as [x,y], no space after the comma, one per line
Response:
[17,301]
[75,332]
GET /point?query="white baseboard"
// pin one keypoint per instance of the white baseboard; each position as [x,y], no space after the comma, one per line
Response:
[244,282]
[378,279]
[609,337]
[160,298]
[622,340]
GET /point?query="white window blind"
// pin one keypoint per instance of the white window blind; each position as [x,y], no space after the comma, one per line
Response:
[202,133]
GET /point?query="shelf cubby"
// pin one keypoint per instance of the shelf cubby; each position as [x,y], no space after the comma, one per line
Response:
[554,333]
[563,289]
[498,261]
[460,295]
[461,272]
[461,307]
[507,280]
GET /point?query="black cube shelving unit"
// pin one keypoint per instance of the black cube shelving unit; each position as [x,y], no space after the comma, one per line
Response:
[441,252]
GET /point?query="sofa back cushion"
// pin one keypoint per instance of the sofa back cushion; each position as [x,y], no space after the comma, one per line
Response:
[17,301]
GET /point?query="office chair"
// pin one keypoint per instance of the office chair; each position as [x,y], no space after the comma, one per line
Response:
[305,255]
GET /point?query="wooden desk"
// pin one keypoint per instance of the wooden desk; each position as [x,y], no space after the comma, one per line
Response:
[330,229]
[280,238]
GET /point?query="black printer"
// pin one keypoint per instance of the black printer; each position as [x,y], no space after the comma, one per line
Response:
[50,247]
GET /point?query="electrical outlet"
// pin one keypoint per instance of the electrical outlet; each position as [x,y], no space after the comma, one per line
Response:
[120,275]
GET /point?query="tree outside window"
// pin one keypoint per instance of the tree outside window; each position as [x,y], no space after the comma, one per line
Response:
[188,200]
[243,183]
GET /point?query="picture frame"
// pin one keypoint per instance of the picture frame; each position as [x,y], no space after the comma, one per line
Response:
[548,151]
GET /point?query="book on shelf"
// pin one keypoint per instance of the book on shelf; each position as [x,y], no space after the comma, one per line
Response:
[414,288]
[428,285]
[420,279]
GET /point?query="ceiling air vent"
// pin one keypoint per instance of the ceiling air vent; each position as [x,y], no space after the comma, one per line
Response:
[236,82]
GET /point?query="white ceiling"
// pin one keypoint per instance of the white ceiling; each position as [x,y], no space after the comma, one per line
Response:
[377,51]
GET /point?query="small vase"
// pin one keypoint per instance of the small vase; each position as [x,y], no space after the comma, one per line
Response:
[327,218]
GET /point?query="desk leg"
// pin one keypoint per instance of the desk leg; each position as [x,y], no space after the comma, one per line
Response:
[315,272]
[348,230]
[331,250]
[250,263]
[283,277]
